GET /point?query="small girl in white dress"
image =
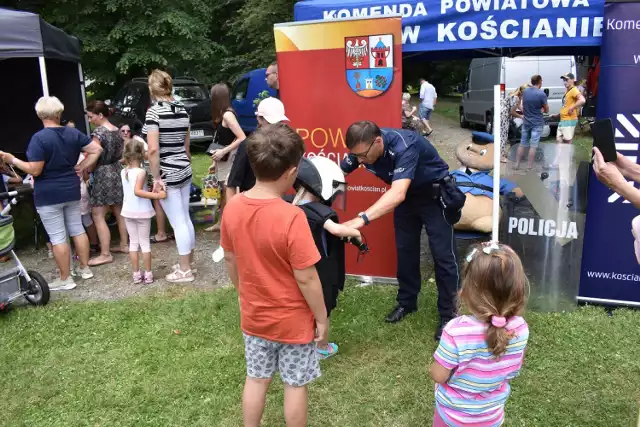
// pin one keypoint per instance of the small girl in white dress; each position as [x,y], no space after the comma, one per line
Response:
[137,209]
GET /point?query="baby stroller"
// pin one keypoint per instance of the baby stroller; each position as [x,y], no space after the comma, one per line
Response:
[30,284]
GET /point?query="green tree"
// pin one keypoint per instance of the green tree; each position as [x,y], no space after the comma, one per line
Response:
[212,40]
[444,75]
[126,38]
[250,31]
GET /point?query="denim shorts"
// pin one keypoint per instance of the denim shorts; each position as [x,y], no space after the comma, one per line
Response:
[61,221]
[531,136]
[424,112]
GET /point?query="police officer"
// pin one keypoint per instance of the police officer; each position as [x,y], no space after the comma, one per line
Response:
[416,172]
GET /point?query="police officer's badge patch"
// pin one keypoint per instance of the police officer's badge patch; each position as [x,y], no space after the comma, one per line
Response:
[369,64]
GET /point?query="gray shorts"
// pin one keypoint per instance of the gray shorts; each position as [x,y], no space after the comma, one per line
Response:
[87,220]
[297,363]
[61,221]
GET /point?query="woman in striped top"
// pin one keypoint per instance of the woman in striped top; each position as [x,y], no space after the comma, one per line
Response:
[480,354]
[167,130]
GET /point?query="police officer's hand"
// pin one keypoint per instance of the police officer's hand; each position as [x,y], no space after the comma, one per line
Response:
[322,334]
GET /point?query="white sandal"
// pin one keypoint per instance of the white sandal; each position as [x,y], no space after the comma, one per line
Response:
[179,276]
[194,270]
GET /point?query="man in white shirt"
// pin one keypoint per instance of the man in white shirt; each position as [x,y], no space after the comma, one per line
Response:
[429,97]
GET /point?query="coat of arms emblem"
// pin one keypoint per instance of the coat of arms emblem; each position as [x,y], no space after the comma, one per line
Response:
[369,64]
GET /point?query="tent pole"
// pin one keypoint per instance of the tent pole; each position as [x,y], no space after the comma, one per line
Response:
[84,99]
[496,163]
[43,76]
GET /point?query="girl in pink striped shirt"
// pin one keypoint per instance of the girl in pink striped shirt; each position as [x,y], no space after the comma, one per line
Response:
[480,353]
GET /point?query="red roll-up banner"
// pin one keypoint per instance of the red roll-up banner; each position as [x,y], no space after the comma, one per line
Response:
[334,73]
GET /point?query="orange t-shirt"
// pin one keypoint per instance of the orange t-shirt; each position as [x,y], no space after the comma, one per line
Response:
[270,238]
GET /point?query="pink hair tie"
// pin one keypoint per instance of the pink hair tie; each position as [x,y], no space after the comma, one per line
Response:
[498,321]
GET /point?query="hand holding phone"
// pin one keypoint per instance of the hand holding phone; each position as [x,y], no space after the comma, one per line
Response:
[604,139]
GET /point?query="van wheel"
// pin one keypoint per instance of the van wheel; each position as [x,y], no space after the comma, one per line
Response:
[464,124]
[488,127]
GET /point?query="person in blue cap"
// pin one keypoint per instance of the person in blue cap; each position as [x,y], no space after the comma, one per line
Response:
[475,180]
[422,195]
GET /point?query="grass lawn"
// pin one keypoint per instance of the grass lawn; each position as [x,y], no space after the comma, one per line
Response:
[178,361]
[200,163]
[449,107]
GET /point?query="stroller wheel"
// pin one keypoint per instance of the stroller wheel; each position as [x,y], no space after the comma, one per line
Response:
[36,292]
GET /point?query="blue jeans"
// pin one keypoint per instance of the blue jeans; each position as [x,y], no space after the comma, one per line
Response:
[424,112]
[531,136]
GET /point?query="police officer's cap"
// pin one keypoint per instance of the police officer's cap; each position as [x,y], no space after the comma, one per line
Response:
[481,138]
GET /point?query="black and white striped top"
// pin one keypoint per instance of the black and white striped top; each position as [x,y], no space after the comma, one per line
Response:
[172,121]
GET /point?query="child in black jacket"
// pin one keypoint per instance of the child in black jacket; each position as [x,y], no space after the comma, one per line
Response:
[320,184]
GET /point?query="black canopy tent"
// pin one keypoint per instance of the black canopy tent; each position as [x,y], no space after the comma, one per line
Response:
[36,59]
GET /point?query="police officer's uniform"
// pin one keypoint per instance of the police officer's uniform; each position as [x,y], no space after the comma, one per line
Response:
[408,155]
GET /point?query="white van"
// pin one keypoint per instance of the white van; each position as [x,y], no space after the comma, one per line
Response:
[484,73]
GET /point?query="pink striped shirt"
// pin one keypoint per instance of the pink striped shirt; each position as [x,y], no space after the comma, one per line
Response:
[478,389]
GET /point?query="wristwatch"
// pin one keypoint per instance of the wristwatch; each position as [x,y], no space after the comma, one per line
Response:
[365,218]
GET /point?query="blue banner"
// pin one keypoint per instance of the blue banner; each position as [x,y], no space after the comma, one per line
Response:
[610,270]
[437,25]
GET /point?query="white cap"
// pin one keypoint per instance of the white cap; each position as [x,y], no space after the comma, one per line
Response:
[272,110]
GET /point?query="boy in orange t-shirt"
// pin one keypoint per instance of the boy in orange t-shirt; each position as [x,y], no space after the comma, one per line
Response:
[271,255]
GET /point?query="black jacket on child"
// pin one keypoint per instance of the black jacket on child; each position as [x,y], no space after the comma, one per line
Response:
[331,267]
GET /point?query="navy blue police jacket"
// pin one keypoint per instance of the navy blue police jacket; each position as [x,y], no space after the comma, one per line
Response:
[407,155]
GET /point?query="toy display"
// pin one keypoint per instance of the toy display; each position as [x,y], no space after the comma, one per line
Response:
[475,180]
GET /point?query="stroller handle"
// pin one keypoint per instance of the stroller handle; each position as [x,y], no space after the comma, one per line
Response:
[19,192]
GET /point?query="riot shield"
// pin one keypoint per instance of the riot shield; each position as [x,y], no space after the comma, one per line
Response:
[545,226]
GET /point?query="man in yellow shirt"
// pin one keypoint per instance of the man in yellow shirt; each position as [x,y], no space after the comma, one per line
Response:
[571,103]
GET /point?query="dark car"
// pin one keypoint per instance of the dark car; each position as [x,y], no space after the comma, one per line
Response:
[131,103]
[250,87]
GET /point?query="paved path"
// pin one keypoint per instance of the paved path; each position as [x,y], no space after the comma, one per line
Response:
[446,136]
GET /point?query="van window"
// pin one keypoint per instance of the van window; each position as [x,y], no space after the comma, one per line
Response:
[240,90]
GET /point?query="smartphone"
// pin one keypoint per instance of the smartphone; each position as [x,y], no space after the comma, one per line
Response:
[604,139]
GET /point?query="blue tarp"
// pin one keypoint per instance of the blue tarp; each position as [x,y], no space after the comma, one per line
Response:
[493,26]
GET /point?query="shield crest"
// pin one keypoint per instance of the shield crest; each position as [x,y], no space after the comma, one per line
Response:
[369,64]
